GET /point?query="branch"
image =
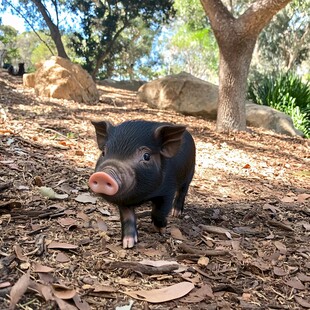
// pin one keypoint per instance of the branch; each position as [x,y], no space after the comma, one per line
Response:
[29,24]
[258,15]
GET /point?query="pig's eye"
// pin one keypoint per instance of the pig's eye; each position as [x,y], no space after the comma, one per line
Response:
[146,156]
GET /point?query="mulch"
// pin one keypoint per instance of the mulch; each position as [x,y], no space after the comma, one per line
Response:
[241,243]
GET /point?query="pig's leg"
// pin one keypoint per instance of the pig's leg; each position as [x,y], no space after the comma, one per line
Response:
[129,228]
[179,200]
[160,211]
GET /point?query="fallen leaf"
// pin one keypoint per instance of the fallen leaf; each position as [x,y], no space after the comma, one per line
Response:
[63,292]
[303,197]
[62,258]
[81,304]
[102,225]
[279,271]
[303,277]
[19,253]
[63,305]
[61,245]
[40,268]
[306,226]
[83,216]
[304,303]
[158,263]
[176,233]
[247,166]
[86,198]
[287,199]
[18,289]
[104,289]
[67,221]
[199,294]
[5,284]
[51,194]
[295,283]
[163,294]
[281,247]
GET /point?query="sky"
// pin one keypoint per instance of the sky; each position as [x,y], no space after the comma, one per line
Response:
[14,21]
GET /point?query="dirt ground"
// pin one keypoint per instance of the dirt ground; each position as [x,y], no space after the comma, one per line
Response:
[241,243]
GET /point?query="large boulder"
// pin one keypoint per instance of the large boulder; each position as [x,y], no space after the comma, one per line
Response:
[189,95]
[183,93]
[60,78]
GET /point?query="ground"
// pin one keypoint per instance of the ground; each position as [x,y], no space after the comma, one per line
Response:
[241,243]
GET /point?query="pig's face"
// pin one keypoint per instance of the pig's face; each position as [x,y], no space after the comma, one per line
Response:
[130,168]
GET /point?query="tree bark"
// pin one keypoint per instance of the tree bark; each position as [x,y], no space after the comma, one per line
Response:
[236,38]
[55,33]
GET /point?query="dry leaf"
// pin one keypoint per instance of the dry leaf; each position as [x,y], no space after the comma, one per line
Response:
[63,292]
[288,199]
[63,305]
[102,225]
[281,247]
[303,197]
[176,233]
[83,216]
[81,304]
[62,258]
[158,263]
[86,198]
[295,283]
[5,284]
[304,303]
[279,271]
[199,294]
[19,253]
[163,294]
[61,245]
[40,268]
[104,289]
[18,289]
[67,221]
[303,277]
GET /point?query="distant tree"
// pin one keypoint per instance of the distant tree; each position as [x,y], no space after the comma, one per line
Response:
[103,22]
[43,15]
[236,38]
[285,42]
[8,38]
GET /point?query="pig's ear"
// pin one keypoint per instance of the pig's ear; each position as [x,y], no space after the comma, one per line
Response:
[171,137]
[102,130]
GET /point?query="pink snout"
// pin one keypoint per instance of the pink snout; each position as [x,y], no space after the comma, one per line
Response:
[102,183]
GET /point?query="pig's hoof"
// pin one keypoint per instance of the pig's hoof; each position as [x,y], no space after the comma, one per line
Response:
[160,230]
[176,212]
[129,242]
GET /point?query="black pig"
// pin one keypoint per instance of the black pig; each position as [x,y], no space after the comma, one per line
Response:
[143,161]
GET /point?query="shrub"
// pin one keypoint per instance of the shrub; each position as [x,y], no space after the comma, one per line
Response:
[286,93]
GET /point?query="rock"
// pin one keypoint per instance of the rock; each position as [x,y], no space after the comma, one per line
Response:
[132,85]
[60,78]
[183,93]
[29,80]
[271,119]
[189,95]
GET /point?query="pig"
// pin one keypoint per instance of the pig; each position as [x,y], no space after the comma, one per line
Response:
[143,161]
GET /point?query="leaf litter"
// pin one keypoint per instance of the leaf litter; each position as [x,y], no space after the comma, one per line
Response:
[242,242]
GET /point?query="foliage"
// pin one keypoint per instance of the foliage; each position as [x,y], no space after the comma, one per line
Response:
[286,93]
[102,23]
[8,38]
[192,46]
[285,43]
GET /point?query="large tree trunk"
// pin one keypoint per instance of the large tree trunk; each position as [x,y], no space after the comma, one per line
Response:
[235,59]
[55,33]
[236,38]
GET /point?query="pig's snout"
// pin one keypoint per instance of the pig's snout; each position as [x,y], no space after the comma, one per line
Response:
[103,183]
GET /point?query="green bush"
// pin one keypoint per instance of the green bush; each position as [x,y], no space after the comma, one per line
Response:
[286,93]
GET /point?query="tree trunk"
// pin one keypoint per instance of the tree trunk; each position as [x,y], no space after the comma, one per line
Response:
[55,33]
[236,39]
[235,59]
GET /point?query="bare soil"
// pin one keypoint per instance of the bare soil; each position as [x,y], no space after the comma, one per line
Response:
[242,241]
